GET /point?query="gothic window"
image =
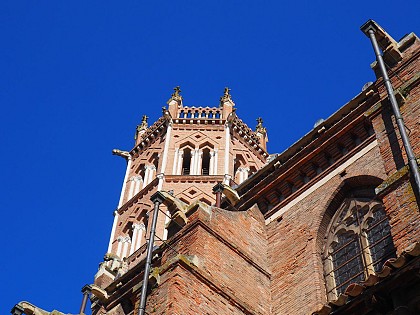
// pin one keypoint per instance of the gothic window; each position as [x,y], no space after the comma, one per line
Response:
[205,163]
[186,162]
[155,160]
[358,243]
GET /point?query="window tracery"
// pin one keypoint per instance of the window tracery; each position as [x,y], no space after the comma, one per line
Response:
[358,243]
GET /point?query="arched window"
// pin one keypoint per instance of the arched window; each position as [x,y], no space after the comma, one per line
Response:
[155,160]
[205,163]
[358,242]
[186,162]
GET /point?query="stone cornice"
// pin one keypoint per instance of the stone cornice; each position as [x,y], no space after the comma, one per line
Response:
[249,137]
[337,124]
[150,135]
[193,178]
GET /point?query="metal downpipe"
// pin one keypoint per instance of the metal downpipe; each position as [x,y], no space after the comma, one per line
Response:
[86,291]
[396,110]
[157,200]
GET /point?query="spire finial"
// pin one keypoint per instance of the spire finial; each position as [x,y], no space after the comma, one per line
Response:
[260,128]
[176,95]
[226,96]
[143,126]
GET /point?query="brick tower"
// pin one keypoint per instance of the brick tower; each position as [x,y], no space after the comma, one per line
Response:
[186,152]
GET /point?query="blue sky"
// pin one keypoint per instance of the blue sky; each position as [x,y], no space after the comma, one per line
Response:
[76,77]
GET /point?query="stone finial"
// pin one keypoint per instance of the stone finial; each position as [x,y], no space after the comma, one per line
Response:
[226,96]
[261,133]
[143,126]
[176,95]
[260,128]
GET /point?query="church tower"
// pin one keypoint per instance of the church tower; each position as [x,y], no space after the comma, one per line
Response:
[185,153]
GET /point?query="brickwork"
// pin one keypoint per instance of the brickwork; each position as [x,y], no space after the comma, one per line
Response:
[296,265]
[265,253]
[217,284]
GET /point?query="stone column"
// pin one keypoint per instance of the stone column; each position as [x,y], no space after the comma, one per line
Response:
[138,180]
[142,230]
[114,226]
[137,234]
[166,148]
[211,166]
[180,160]
[216,164]
[246,173]
[240,175]
[227,144]
[192,164]
[153,171]
[148,174]
[119,246]
[132,187]
[126,243]
[160,183]
[199,157]
[174,167]
[167,219]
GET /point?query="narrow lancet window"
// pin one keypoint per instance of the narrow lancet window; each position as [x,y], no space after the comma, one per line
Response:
[205,164]
[186,162]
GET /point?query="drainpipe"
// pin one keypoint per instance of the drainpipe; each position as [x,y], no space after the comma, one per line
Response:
[369,29]
[217,189]
[157,199]
[86,291]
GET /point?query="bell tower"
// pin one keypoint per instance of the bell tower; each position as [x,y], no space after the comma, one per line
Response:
[186,152]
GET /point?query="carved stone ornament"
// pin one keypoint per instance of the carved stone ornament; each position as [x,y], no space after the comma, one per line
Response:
[260,128]
[176,95]
[226,96]
[143,126]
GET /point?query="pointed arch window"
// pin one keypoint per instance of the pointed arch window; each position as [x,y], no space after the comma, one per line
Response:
[358,243]
[205,163]
[186,162]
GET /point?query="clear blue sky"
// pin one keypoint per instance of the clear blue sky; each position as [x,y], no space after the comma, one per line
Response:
[76,76]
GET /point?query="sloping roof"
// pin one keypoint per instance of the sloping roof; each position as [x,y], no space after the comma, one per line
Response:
[390,267]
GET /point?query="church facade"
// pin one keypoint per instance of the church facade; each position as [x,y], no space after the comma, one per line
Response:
[329,226]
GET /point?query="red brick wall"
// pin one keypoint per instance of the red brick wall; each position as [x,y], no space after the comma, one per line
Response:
[295,242]
[230,276]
